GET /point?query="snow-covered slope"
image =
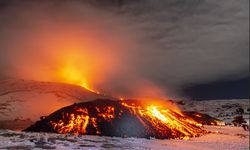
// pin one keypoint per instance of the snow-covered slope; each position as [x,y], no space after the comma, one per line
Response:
[22,99]
[224,110]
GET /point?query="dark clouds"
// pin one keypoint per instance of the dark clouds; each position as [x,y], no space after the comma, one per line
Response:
[194,40]
[174,42]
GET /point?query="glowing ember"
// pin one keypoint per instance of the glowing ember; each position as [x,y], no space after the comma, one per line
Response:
[120,118]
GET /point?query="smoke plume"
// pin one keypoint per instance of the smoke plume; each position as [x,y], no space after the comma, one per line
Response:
[124,48]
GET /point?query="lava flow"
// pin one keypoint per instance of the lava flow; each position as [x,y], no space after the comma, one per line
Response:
[126,118]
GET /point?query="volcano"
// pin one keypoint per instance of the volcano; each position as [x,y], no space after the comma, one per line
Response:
[121,118]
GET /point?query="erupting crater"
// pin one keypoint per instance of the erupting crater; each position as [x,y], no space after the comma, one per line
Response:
[122,118]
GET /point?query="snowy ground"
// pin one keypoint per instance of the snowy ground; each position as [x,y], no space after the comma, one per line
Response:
[224,110]
[220,138]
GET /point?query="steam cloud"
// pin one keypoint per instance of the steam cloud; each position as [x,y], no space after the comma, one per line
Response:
[129,48]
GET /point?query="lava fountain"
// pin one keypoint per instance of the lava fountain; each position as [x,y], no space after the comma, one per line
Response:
[121,118]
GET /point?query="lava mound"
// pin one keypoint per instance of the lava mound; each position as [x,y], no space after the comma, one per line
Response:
[127,118]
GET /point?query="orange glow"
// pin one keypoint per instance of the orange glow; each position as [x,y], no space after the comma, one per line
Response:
[161,117]
[77,123]
[121,98]
[75,55]
[152,116]
[70,74]
[153,111]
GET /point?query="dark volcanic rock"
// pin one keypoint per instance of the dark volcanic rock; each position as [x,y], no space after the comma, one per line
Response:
[201,118]
[110,118]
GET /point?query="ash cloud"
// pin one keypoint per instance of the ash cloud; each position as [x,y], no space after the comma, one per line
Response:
[164,45]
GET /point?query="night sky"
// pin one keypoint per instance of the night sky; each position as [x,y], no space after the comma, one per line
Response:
[230,89]
[197,49]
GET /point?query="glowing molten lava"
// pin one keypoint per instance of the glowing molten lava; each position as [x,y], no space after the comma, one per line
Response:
[162,117]
[127,118]
[77,123]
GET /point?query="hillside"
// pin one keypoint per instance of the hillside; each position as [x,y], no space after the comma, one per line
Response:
[224,110]
[27,101]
